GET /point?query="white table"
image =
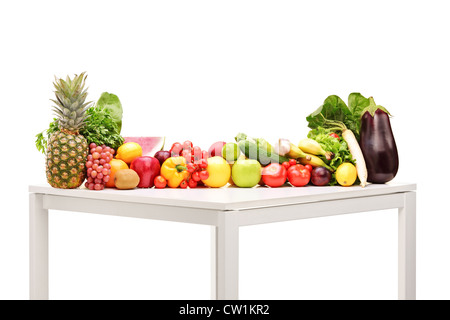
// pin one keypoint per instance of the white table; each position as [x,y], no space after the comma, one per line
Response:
[226,209]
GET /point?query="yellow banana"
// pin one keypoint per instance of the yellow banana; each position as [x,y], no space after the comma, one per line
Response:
[312,146]
[296,153]
[314,161]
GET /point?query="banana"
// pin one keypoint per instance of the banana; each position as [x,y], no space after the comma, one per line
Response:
[312,146]
[314,161]
[296,153]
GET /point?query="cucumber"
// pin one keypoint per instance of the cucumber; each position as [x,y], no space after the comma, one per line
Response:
[252,151]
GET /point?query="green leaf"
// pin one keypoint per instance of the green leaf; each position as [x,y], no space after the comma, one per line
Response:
[41,142]
[333,108]
[101,128]
[335,113]
[111,101]
[356,103]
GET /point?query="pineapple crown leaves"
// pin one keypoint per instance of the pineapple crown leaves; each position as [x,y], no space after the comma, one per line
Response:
[70,106]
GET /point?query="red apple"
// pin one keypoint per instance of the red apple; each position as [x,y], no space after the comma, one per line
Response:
[216,149]
[147,169]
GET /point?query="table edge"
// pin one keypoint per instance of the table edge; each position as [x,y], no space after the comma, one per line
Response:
[235,206]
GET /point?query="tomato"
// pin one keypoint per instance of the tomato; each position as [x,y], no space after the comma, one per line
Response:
[334,135]
[183,184]
[274,175]
[309,167]
[292,162]
[286,164]
[203,164]
[190,167]
[192,183]
[195,176]
[204,175]
[298,175]
[160,182]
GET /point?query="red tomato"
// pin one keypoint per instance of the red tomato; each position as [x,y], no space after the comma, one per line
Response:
[274,175]
[196,176]
[192,183]
[308,167]
[183,184]
[298,175]
[204,175]
[292,162]
[160,182]
[334,135]
[190,167]
[203,163]
[286,164]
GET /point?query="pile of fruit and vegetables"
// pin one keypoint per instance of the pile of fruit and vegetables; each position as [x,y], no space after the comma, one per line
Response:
[349,144]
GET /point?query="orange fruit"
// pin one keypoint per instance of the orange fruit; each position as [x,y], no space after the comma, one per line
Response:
[116,165]
[128,152]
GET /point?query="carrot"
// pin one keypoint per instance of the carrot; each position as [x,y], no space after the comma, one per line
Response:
[353,146]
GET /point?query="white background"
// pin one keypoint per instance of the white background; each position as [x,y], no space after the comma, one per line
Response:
[204,71]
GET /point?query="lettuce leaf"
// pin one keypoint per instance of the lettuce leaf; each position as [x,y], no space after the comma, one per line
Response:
[111,101]
[356,104]
[338,146]
[334,108]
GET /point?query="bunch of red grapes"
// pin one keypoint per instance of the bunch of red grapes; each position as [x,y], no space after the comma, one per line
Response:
[98,167]
[196,162]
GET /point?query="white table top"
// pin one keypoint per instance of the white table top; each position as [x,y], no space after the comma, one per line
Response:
[229,198]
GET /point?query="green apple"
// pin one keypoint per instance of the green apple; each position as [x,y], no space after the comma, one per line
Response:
[246,173]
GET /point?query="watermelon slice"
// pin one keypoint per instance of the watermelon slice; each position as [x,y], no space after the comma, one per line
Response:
[150,145]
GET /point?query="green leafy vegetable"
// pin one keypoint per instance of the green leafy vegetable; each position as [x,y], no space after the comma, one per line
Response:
[335,109]
[111,101]
[356,104]
[329,143]
[100,128]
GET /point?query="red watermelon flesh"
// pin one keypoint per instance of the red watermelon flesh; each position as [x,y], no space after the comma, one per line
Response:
[150,145]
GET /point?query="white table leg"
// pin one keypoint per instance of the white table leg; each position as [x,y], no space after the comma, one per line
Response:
[225,258]
[38,248]
[407,248]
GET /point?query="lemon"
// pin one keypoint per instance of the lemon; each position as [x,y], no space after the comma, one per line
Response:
[346,174]
[219,172]
[231,152]
[129,151]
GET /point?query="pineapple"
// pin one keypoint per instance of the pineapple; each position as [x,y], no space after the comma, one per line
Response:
[67,149]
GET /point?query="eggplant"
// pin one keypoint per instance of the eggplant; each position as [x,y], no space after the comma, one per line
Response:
[378,144]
